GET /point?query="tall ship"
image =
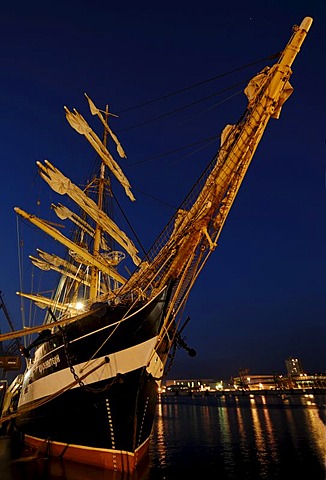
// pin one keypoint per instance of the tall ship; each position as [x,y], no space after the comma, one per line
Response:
[90,388]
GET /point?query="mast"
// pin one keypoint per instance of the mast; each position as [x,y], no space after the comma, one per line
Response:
[192,233]
[93,292]
[84,255]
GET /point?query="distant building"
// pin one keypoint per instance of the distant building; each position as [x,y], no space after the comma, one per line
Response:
[296,378]
[260,382]
[248,383]
[192,385]
[294,367]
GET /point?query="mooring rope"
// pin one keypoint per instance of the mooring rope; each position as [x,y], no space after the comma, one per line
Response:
[43,401]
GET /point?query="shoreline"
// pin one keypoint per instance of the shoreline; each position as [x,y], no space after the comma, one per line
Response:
[241,393]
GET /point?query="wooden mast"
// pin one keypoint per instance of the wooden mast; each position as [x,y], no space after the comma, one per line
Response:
[201,219]
[94,283]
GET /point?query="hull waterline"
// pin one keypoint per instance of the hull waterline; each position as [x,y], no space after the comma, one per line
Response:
[98,411]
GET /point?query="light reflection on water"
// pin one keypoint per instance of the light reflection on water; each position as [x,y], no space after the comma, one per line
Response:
[241,438]
[267,454]
[319,438]
[271,440]
[229,438]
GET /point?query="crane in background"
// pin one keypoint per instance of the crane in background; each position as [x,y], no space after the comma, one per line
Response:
[10,357]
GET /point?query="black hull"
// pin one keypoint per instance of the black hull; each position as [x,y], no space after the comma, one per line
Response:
[112,409]
[118,418]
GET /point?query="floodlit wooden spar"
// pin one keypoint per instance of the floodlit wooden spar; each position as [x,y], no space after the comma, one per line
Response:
[45,302]
[96,111]
[84,254]
[62,185]
[197,226]
[63,213]
[133,328]
[195,229]
[78,123]
[57,264]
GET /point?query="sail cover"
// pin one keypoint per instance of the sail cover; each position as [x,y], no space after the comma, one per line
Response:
[62,185]
[78,122]
[95,111]
[63,213]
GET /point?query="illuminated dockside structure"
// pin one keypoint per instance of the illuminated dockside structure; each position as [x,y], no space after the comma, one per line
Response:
[295,379]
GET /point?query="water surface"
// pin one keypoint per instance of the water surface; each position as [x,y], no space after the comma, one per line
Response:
[210,437]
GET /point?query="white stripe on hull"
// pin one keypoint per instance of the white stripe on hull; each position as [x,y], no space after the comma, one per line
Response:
[121,362]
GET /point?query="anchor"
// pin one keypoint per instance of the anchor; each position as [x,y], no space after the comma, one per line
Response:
[181,342]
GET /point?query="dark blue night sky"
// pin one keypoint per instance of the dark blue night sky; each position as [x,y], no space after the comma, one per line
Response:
[261,297]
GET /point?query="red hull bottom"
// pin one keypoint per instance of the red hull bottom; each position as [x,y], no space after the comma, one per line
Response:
[115,460]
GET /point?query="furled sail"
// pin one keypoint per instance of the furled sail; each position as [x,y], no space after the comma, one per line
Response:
[57,264]
[62,185]
[63,213]
[87,257]
[57,261]
[77,121]
[257,83]
[193,232]
[96,111]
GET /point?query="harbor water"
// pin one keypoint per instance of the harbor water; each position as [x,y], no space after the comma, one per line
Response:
[223,437]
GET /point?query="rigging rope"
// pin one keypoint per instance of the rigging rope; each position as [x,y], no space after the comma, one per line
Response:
[203,82]
[40,328]
[175,150]
[20,245]
[214,139]
[45,400]
[184,107]
[129,224]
